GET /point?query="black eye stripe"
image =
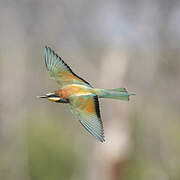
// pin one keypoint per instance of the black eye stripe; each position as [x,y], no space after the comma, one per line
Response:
[53,95]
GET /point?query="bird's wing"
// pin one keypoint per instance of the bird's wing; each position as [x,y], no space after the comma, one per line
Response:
[60,71]
[86,108]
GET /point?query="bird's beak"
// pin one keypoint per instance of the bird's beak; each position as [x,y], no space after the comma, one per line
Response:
[44,96]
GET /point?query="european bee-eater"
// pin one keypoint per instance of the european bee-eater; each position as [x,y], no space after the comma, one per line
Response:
[79,94]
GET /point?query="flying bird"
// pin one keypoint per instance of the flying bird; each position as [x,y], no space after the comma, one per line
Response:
[79,94]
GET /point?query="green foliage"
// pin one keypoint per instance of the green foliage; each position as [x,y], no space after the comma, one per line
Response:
[155,153]
[50,151]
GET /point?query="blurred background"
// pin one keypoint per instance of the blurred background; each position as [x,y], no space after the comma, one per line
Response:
[116,43]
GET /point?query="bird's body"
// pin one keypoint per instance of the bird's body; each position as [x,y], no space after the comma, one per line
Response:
[74,90]
[81,96]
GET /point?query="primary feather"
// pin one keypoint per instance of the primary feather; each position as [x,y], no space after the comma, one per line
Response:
[60,71]
[86,108]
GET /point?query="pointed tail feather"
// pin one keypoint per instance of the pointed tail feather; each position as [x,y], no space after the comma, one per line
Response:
[118,93]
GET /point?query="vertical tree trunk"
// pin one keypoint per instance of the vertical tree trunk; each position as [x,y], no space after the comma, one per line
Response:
[110,157]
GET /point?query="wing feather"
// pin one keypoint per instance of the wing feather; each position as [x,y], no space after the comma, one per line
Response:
[89,115]
[60,71]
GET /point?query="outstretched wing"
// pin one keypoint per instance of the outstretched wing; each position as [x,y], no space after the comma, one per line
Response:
[60,71]
[86,108]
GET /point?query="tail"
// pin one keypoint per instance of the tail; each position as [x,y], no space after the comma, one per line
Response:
[118,93]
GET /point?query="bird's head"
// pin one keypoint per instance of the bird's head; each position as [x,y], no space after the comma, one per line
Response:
[54,97]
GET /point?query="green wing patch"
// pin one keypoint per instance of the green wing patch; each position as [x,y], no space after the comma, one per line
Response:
[59,70]
[86,108]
